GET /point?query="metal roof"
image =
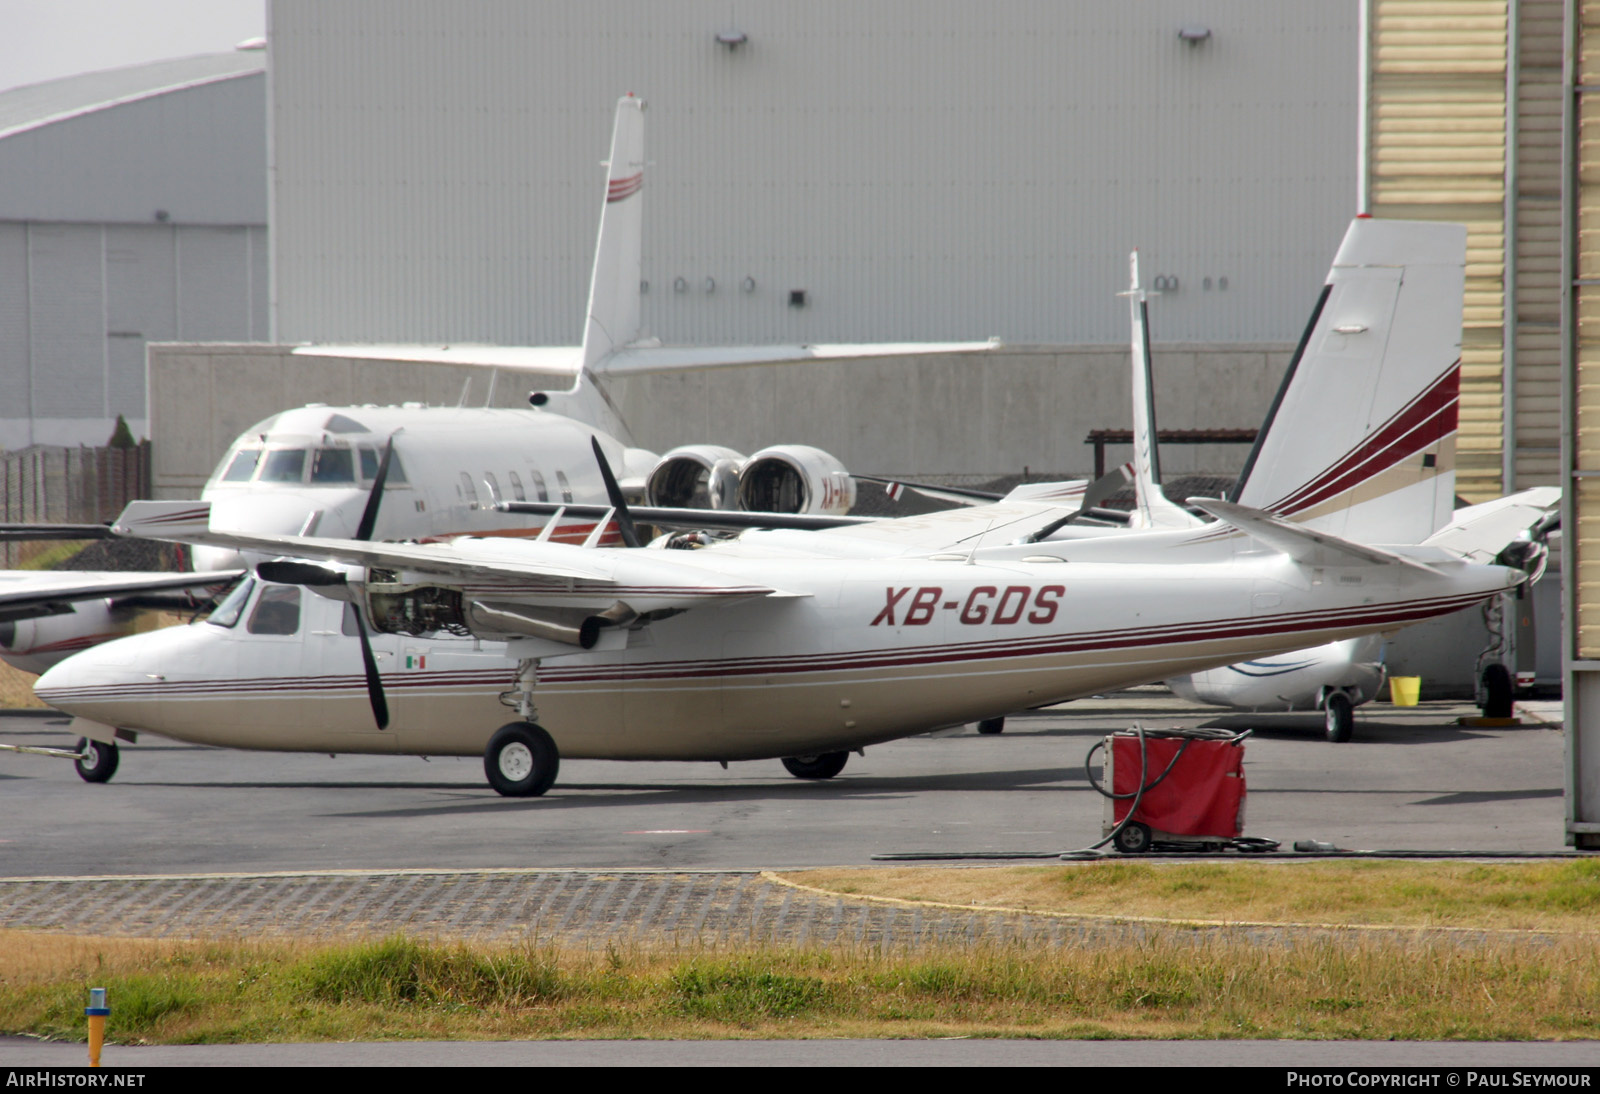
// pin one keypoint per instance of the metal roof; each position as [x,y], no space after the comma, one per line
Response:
[35,105]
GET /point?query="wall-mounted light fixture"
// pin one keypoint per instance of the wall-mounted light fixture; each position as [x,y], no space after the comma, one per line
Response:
[679,285]
[797,298]
[749,284]
[1194,33]
[711,284]
[733,39]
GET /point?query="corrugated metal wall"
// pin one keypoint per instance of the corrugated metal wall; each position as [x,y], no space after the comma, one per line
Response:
[924,170]
[1438,122]
[78,302]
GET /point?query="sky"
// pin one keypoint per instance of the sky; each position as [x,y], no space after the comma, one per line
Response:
[46,39]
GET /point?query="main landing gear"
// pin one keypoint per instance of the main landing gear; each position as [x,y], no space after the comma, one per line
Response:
[521,760]
[1338,717]
[822,766]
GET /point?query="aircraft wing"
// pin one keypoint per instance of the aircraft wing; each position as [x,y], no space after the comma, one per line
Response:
[509,570]
[19,532]
[28,595]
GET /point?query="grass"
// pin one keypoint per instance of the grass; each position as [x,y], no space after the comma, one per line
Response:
[1562,896]
[402,988]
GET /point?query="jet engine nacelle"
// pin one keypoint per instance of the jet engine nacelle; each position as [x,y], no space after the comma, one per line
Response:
[795,478]
[695,476]
[34,645]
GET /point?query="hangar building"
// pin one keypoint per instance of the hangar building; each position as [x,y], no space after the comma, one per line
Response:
[133,209]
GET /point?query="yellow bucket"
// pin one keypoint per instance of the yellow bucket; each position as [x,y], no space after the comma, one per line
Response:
[1404,690]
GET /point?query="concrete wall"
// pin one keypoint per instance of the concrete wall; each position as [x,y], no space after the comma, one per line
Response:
[969,416]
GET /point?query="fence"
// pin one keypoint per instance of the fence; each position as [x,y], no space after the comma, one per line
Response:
[51,485]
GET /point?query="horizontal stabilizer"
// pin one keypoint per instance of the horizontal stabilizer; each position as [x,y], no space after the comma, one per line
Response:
[1304,545]
[1481,532]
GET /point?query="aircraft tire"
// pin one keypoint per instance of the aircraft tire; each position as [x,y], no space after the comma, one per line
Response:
[1134,839]
[102,761]
[824,766]
[991,726]
[1497,691]
[521,760]
[1338,717]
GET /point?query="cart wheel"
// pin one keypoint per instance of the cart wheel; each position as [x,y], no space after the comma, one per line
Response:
[1134,839]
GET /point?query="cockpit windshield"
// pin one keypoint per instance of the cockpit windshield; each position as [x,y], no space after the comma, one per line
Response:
[243,465]
[333,466]
[227,613]
[283,465]
[370,458]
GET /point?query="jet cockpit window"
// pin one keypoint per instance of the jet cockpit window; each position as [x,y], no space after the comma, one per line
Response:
[333,465]
[284,465]
[566,487]
[243,465]
[370,458]
[278,610]
[227,613]
[538,485]
[516,486]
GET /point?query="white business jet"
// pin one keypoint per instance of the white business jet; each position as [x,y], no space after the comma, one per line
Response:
[310,469]
[794,644]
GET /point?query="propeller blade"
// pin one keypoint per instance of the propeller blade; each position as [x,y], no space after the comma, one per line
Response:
[380,705]
[630,535]
[369,515]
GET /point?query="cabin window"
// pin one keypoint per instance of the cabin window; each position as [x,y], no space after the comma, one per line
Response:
[278,610]
[566,487]
[493,485]
[538,486]
[227,613]
[333,465]
[243,465]
[370,458]
[468,494]
[516,486]
[284,465]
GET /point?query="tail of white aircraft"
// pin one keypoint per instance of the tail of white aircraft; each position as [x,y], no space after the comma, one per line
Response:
[1360,441]
[1153,508]
[613,317]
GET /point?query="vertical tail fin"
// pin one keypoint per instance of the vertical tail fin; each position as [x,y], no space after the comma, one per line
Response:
[613,316]
[1153,509]
[1360,441]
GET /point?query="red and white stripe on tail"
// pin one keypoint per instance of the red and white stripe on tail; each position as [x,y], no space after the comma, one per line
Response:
[1361,441]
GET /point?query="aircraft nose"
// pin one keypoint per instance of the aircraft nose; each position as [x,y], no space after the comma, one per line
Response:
[91,677]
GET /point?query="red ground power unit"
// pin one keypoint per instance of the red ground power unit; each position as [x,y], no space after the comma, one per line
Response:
[1193,793]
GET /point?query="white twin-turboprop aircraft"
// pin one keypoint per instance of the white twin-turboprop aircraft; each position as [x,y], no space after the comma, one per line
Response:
[806,644]
[310,469]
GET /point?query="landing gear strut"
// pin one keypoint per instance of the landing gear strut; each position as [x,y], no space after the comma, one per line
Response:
[521,760]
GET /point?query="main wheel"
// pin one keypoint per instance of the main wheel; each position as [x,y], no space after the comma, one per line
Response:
[824,766]
[1134,839]
[990,726]
[1338,718]
[1497,694]
[102,761]
[521,760]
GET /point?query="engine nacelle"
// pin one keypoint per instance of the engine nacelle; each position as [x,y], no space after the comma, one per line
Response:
[695,476]
[795,478]
[34,645]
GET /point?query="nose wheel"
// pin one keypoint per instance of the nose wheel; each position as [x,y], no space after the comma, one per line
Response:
[99,763]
